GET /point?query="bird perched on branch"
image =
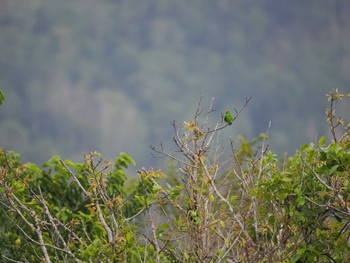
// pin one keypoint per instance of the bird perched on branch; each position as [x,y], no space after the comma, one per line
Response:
[228,117]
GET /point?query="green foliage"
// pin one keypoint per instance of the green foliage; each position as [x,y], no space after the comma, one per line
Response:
[93,63]
[310,197]
[311,194]
[2,97]
[251,207]
[64,209]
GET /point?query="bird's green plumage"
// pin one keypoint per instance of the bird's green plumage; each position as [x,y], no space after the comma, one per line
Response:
[228,117]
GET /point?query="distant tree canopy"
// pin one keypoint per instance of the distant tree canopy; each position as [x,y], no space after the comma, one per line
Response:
[92,74]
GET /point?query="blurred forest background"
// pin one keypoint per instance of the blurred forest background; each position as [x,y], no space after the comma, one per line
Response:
[110,75]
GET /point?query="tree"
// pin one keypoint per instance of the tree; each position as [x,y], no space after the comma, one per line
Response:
[55,214]
[247,206]
[250,207]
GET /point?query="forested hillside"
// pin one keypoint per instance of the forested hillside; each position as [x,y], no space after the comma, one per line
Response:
[111,75]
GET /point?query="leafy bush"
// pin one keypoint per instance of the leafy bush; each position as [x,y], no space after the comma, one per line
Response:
[247,206]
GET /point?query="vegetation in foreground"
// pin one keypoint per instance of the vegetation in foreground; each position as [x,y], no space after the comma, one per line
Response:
[246,206]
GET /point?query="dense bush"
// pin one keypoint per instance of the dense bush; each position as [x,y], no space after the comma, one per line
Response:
[246,206]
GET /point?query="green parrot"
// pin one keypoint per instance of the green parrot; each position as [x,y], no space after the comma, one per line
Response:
[228,117]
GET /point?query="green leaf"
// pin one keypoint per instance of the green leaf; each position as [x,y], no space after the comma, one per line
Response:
[123,160]
[2,96]
[211,198]
[226,242]
[156,187]
[303,147]
[298,255]
[301,200]
[222,223]
[333,169]
[321,141]
[219,251]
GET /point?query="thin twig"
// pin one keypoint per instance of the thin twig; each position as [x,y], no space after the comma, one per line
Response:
[317,177]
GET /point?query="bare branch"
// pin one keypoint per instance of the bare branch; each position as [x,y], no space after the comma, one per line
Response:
[220,127]
[317,177]
[75,178]
[12,260]
[155,240]
[199,109]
